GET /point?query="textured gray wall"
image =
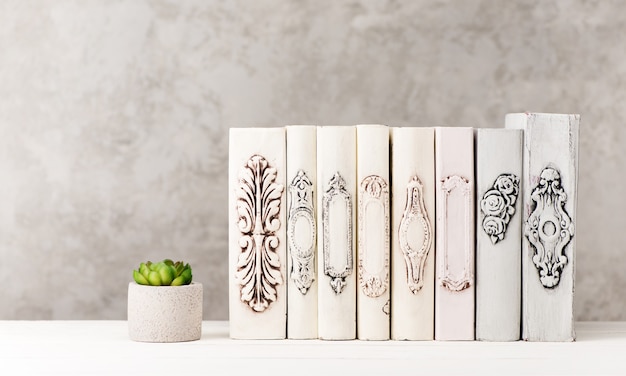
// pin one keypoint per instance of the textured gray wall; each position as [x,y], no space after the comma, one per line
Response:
[114,118]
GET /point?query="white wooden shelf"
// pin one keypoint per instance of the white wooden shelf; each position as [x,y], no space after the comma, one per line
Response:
[104,348]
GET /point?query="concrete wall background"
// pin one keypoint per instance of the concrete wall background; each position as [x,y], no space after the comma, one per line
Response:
[114,119]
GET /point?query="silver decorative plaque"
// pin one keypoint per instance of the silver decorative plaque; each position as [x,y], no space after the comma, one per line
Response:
[549,228]
[337,194]
[302,255]
[498,206]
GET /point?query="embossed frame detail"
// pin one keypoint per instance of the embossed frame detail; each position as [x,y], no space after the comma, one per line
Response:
[258,209]
[302,271]
[456,184]
[415,258]
[374,190]
[498,206]
[549,228]
[337,191]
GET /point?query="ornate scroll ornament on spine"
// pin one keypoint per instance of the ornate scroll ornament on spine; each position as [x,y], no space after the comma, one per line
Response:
[456,185]
[302,271]
[415,258]
[549,228]
[258,208]
[374,192]
[498,206]
[335,193]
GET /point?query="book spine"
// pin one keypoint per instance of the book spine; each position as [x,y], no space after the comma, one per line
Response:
[301,232]
[336,237]
[373,259]
[549,206]
[498,234]
[413,233]
[454,291]
[257,233]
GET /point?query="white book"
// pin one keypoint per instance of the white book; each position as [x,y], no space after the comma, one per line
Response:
[257,233]
[454,291]
[498,234]
[413,233]
[301,232]
[549,243]
[373,225]
[336,236]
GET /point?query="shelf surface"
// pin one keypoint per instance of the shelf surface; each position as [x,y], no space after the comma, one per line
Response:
[104,348]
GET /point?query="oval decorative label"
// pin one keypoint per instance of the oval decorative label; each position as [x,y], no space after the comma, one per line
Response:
[549,228]
[374,236]
[258,207]
[415,224]
[301,232]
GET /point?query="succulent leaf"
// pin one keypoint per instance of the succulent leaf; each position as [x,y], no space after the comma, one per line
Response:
[179,268]
[167,274]
[139,278]
[178,281]
[154,278]
[144,270]
[186,274]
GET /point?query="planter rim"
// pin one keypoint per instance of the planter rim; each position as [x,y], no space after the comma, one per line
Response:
[173,287]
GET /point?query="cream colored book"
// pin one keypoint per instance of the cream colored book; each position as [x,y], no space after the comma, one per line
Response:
[373,224]
[257,233]
[413,233]
[336,236]
[302,232]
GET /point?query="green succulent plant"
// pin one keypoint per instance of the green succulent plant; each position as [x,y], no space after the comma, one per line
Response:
[164,273]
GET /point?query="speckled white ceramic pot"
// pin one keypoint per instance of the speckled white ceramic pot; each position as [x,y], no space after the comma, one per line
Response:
[165,313]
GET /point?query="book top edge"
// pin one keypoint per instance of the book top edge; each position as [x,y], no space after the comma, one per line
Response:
[541,114]
[236,129]
[300,126]
[498,130]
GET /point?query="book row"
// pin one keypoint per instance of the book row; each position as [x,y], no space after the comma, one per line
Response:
[405,233]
